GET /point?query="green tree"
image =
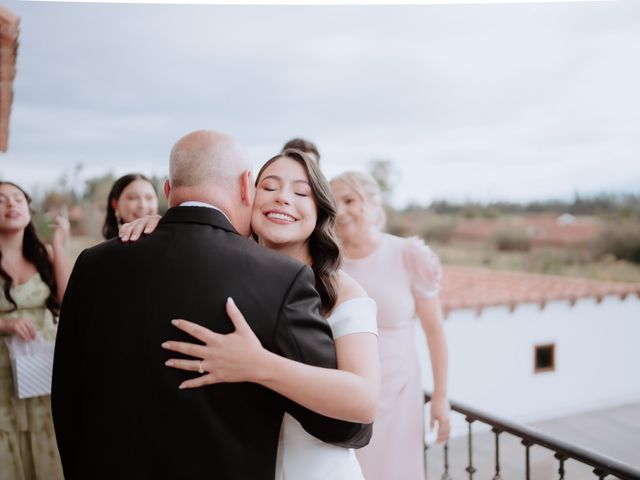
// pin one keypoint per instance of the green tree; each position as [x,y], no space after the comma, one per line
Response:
[97,188]
[386,175]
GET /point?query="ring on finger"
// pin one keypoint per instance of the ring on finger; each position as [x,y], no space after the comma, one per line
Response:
[201,367]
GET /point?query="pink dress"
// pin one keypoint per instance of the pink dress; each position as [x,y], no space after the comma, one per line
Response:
[394,275]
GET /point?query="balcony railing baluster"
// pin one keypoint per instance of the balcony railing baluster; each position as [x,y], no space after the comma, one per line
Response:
[601,475]
[527,459]
[426,459]
[470,468]
[497,432]
[445,475]
[603,465]
[561,459]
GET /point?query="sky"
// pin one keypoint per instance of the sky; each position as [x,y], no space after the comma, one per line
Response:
[469,102]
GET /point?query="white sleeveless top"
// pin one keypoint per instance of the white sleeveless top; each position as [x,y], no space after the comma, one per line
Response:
[304,457]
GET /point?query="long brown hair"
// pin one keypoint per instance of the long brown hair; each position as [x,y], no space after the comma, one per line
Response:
[35,252]
[323,243]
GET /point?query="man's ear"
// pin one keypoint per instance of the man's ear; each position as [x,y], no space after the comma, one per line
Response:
[246,188]
[167,188]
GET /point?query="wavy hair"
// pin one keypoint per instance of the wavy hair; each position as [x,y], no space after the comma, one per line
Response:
[369,191]
[111,222]
[323,243]
[34,252]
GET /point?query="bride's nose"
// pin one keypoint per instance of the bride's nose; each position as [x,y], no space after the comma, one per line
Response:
[283,198]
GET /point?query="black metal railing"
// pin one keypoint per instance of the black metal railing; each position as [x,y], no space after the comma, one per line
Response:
[602,465]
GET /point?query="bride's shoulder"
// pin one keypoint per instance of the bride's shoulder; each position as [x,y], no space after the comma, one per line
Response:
[355,311]
[348,288]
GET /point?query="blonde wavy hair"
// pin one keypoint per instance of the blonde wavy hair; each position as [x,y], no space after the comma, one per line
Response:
[368,189]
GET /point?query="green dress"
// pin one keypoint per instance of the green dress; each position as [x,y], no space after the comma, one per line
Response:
[28,448]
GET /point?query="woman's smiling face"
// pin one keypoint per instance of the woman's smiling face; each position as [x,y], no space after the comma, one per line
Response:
[136,200]
[355,217]
[14,208]
[284,211]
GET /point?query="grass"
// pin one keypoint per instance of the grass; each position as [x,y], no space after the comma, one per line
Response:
[78,243]
[573,263]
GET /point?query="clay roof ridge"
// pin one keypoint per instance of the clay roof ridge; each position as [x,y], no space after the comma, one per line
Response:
[8,16]
[479,288]
[541,276]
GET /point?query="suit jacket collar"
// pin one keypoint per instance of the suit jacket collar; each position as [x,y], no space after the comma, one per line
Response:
[201,215]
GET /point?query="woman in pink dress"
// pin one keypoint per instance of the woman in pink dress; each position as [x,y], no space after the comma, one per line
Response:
[403,276]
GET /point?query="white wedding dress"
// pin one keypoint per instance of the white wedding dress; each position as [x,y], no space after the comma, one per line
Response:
[304,457]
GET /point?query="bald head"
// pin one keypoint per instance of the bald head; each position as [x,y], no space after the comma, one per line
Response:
[212,167]
[207,157]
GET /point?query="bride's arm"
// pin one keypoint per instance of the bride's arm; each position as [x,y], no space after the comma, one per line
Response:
[349,394]
[133,230]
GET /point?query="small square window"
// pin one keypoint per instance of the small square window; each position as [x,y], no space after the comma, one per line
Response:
[545,358]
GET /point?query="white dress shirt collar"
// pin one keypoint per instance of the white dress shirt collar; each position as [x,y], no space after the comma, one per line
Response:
[195,203]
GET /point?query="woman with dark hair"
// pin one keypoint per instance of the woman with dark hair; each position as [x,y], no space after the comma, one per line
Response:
[294,213]
[131,197]
[34,278]
[304,145]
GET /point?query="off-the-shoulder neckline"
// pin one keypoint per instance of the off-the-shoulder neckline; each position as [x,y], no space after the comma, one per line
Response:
[349,301]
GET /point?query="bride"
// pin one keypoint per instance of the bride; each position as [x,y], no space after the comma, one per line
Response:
[294,213]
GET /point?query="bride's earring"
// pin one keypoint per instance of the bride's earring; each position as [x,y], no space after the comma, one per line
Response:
[118,219]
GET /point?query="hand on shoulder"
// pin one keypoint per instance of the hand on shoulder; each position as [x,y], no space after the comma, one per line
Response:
[132,231]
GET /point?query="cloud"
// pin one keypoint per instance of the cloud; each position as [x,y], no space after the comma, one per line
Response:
[480,102]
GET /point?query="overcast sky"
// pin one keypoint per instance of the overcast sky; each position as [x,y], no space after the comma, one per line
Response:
[479,102]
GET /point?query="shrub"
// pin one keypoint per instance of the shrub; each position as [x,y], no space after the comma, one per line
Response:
[621,239]
[512,239]
[438,229]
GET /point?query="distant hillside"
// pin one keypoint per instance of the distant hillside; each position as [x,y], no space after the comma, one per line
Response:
[599,205]
[595,237]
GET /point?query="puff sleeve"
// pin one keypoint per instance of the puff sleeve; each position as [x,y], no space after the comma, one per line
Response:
[424,268]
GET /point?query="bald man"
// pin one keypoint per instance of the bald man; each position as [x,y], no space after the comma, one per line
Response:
[117,409]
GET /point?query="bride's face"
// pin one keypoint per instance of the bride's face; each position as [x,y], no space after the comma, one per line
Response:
[284,211]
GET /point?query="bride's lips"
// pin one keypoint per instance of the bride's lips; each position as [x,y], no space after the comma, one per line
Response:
[279,217]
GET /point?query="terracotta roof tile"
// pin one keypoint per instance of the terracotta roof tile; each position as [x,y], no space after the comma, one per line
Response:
[476,288]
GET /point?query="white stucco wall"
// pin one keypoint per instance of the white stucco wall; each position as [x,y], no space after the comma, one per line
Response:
[492,357]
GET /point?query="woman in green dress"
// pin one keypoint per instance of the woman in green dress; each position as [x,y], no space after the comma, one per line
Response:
[33,278]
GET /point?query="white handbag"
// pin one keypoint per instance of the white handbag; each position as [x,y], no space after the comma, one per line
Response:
[31,364]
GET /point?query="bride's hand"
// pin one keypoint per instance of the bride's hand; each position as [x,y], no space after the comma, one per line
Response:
[235,357]
[132,231]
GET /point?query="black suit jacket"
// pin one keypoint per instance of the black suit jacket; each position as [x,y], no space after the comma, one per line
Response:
[117,409]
